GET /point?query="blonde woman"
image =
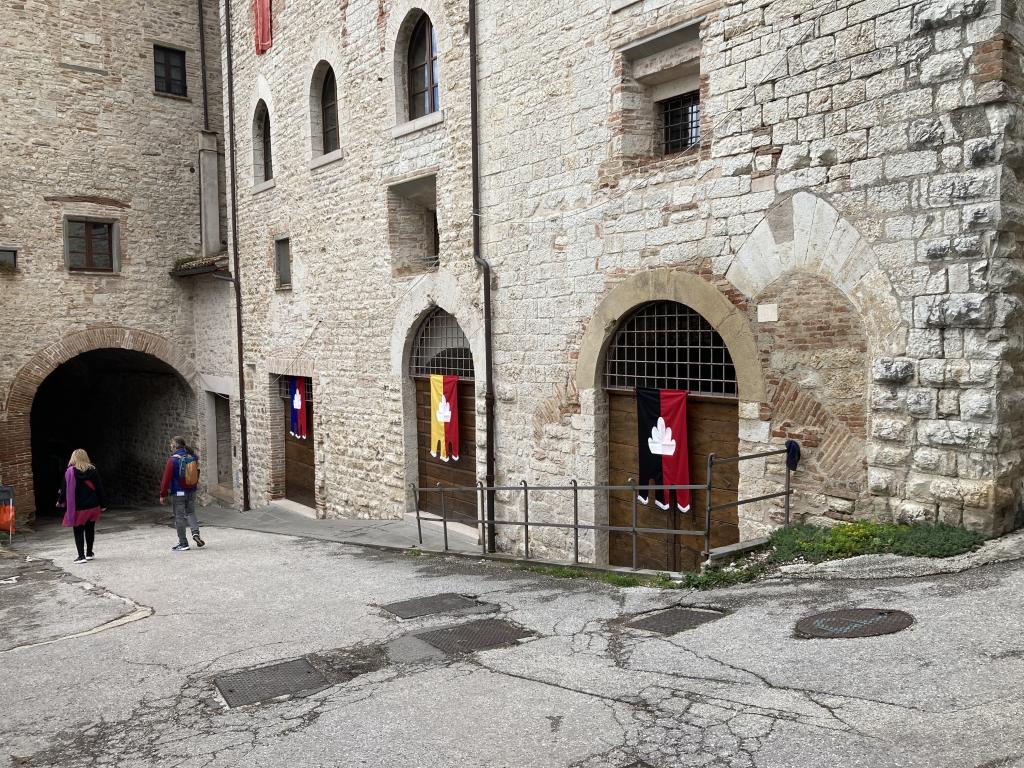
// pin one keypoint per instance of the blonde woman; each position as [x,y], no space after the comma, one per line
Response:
[82,494]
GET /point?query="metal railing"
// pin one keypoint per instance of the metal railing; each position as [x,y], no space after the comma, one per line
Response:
[576,526]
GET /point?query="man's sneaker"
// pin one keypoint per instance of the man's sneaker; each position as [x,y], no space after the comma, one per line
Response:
[79,560]
[90,556]
[179,548]
[199,542]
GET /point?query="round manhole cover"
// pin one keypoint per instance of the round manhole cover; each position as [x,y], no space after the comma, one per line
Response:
[858,622]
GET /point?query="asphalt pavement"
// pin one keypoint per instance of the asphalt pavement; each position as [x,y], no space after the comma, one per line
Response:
[125,660]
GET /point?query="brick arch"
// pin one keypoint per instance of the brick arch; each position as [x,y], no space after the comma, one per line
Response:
[16,448]
[805,233]
[815,358]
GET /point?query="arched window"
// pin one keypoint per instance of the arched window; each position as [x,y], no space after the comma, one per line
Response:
[422,69]
[263,165]
[441,348]
[666,345]
[329,112]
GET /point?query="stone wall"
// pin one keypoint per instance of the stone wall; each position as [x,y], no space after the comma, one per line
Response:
[84,134]
[849,174]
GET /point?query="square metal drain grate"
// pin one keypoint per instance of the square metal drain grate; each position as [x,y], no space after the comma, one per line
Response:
[675,620]
[424,606]
[474,636]
[265,683]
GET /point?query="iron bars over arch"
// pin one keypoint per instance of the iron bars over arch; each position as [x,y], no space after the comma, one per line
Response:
[441,347]
[666,345]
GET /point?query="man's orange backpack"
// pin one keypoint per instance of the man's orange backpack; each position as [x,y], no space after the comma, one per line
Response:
[188,472]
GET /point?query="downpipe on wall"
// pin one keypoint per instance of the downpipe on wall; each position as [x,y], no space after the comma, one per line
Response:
[485,270]
[237,281]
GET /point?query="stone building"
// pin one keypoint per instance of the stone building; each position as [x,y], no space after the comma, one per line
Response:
[109,128]
[802,212]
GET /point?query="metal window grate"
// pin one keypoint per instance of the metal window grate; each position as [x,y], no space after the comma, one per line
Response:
[284,384]
[666,345]
[680,119]
[441,348]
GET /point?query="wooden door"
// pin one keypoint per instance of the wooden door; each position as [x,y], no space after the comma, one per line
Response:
[299,467]
[712,427]
[460,506]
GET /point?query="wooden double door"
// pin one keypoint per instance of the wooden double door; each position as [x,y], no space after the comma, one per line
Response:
[460,506]
[712,427]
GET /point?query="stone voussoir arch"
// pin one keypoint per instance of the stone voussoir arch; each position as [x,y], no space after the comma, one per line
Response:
[803,232]
[666,284]
[15,448]
[436,289]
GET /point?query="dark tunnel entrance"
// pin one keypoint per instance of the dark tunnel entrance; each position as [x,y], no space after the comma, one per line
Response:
[119,405]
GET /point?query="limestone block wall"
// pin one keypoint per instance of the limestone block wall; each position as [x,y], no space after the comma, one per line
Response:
[853,142]
[846,222]
[336,322]
[84,134]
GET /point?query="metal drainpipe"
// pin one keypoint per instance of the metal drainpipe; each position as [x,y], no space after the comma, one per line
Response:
[485,268]
[237,281]
[202,64]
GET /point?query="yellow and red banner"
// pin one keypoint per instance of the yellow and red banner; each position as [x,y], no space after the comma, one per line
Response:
[444,417]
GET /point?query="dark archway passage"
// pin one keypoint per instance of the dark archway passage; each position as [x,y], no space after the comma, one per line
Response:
[121,406]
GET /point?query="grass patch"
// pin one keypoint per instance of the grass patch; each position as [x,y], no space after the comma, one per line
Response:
[816,545]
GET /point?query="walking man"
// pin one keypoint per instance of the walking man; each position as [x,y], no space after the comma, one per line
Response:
[181,478]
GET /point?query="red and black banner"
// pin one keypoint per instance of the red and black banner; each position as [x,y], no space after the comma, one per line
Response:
[664,454]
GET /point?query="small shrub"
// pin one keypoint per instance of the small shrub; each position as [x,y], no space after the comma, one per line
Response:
[815,544]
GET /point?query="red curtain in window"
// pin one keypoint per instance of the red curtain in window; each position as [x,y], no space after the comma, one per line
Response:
[261,14]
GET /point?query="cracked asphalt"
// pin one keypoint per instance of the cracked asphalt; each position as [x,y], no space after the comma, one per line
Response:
[112,663]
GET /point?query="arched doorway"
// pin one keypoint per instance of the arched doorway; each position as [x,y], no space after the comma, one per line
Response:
[121,406]
[666,345]
[440,348]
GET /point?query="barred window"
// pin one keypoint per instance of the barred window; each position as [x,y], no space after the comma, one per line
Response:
[666,345]
[441,347]
[680,120]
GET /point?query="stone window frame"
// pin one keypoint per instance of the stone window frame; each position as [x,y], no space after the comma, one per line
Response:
[169,90]
[115,244]
[262,146]
[405,124]
[283,240]
[656,68]
[319,154]
[9,268]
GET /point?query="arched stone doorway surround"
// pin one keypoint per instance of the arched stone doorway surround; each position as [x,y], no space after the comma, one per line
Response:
[662,284]
[800,233]
[15,424]
[435,289]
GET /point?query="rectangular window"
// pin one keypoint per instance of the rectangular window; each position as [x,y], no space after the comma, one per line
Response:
[680,120]
[283,253]
[90,245]
[169,71]
[8,260]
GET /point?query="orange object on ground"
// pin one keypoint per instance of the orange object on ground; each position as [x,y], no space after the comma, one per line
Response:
[7,518]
